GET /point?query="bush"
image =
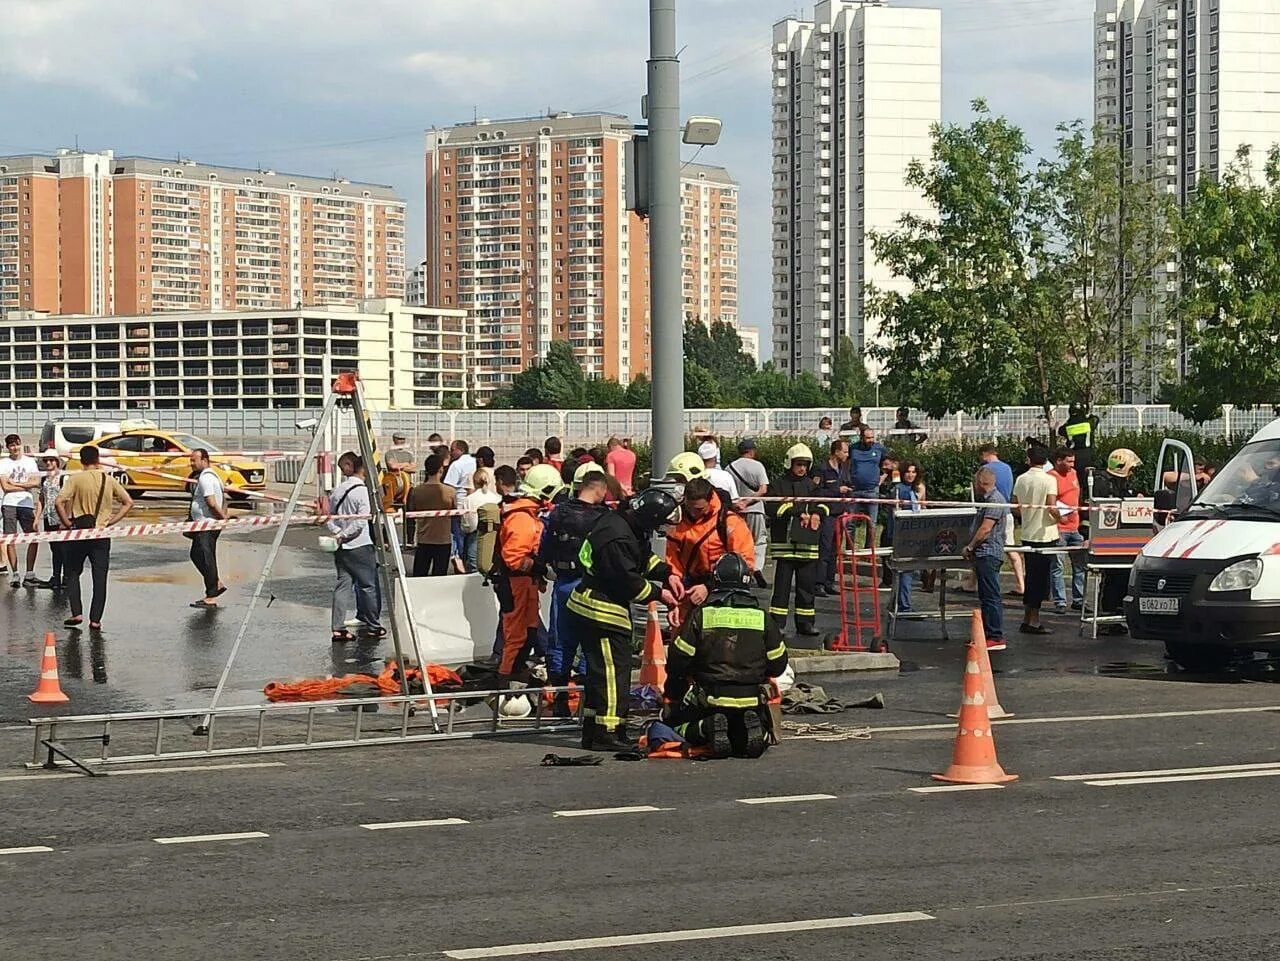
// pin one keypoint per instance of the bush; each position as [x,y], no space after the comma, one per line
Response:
[949,465]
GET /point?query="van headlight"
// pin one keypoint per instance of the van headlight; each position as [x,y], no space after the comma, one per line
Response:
[1240,576]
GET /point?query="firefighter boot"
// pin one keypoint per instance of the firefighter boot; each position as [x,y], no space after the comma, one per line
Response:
[715,734]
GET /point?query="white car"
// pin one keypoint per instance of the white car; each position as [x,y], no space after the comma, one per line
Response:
[1208,584]
[68,436]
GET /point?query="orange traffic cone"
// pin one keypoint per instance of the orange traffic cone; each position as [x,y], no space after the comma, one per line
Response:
[48,691]
[978,636]
[974,759]
[653,665]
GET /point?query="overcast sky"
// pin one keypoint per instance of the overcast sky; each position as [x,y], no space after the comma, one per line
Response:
[318,86]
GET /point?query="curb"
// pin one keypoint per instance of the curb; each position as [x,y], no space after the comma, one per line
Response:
[832,663]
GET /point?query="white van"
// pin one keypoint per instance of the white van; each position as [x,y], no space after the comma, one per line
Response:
[1208,584]
[67,436]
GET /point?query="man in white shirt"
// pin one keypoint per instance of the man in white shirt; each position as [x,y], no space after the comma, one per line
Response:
[1036,495]
[19,477]
[356,557]
[720,478]
[752,480]
[208,502]
[461,467]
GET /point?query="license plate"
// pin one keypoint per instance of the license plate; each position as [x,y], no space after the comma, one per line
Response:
[1158,605]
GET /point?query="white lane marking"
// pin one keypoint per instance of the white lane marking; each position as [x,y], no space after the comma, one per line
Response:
[396,825]
[591,812]
[184,769]
[1220,776]
[1085,717]
[694,934]
[34,849]
[1263,766]
[944,788]
[790,799]
[201,838]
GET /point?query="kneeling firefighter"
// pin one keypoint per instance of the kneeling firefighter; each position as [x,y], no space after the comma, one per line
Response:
[563,535]
[720,664]
[618,570]
[518,574]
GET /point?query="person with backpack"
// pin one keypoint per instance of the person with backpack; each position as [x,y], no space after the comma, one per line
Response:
[723,656]
[709,528]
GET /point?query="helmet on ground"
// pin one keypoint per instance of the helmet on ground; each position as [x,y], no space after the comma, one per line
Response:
[542,482]
[652,508]
[799,452]
[686,466]
[731,572]
[580,475]
[1122,462]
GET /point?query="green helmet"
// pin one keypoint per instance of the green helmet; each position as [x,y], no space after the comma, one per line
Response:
[542,481]
[581,474]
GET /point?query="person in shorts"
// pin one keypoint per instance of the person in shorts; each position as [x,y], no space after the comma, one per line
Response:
[20,480]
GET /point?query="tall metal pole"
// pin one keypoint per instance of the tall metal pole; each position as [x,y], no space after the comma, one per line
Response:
[666,296]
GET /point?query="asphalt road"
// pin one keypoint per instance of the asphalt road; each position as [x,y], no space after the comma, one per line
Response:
[1160,843]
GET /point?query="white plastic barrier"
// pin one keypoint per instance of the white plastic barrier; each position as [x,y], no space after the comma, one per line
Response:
[456,617]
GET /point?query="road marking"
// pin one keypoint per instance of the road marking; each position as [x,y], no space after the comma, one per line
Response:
[1220,776]
[945,788]
[395,825]
[591,812]
[791,799]
[694,934]
[185,769]
[1263,766]
[1084,717]
[34,849]
[201,838]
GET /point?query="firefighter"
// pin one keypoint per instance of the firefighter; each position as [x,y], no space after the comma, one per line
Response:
[518,571]
[709,527]
[793,541]
[1078,431]
[719,662]
[618,570]
[563,534]
[1116,481]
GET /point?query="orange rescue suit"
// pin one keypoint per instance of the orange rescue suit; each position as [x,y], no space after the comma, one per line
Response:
[693,547]
[518,538]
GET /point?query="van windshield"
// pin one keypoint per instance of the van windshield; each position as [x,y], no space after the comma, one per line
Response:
[1250,483]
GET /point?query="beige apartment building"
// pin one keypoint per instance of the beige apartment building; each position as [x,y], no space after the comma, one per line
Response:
[98,234]
[527,229]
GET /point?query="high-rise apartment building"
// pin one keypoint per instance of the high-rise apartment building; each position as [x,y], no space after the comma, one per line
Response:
[415,285]
[527,228]
[98,234]
[1183,84]
[856,90]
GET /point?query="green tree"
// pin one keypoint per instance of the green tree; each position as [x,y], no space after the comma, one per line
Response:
[700,387]
[637,394]
[718,349]
[1231,278]
[848,383]
[604,394]
[953,340]
[565,382]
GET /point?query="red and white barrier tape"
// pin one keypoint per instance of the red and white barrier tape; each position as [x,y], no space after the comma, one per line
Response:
[1083,508]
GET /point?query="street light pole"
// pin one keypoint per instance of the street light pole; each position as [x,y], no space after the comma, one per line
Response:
[666,297]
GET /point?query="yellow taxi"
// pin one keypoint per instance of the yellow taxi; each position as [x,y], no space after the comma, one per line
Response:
[158,461]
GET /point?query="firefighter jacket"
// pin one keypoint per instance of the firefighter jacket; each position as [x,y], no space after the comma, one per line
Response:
[518,537]
[790,537]
[693,547]
[728,648]
[563,534]
[618,570]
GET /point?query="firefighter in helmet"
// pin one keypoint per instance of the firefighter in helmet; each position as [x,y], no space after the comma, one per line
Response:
[794,538]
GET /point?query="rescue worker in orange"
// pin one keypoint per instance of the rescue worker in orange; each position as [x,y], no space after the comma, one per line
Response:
[518,574]
[708,529]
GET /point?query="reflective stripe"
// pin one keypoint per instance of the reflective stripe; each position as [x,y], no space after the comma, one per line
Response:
[610,717]
[1075,430]
[805,612]
[738,702]
[777,652]
[684,647]
[585,556]
[644,594]
[785,508]
[823,508]
[780,611]
[582,603]
[742,618]
[654,561]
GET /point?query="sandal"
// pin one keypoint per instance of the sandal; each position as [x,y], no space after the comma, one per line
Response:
[343,637]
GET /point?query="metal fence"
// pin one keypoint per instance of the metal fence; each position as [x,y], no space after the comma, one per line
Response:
[510,431]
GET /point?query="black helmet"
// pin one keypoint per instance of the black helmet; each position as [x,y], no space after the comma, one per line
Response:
[652,508]
[731,573]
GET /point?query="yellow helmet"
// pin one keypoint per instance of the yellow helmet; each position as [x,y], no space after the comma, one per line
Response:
[1122,462]
[542,481]
[800,452]
[580,475]
[686,466]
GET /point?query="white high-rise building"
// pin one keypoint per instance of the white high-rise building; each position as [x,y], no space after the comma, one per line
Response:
[1184,84]
[856,91]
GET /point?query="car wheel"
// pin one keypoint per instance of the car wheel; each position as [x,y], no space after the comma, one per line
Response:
[1200,658]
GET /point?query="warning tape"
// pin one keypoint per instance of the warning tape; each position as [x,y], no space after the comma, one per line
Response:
[901,503]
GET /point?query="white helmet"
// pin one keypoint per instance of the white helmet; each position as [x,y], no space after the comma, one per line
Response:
[799,452]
